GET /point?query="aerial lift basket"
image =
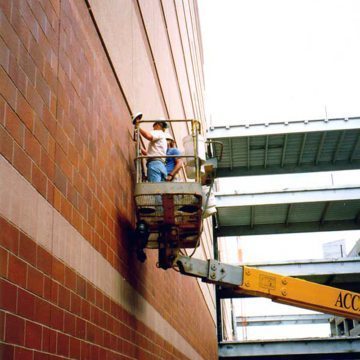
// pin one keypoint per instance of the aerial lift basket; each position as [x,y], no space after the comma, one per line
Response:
[169,214]
[175,206]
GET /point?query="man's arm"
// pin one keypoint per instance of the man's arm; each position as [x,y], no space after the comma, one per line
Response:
[177,167]
[146,134]
[175,170]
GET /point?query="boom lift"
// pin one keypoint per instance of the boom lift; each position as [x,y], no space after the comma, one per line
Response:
[282,289]
[170,216]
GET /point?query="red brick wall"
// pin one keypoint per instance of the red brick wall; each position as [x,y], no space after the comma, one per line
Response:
[65,127]
[47,308]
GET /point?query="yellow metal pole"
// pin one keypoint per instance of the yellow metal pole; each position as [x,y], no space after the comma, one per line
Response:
[138,161]
[300,293]
[194,132]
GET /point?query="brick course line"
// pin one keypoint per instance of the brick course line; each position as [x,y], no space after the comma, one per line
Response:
[95,326]
[88,330]
[21,204]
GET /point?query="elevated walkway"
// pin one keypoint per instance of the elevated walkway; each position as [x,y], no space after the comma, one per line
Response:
[295,211]
[290,147]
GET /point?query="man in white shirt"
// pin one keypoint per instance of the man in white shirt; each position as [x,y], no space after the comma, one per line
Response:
[156,170]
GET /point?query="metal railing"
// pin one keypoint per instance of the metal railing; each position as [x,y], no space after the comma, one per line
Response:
[195,132]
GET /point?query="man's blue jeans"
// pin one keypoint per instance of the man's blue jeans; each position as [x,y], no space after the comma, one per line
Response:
[156,171]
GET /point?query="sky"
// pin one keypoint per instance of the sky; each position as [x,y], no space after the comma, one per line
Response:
[282,60]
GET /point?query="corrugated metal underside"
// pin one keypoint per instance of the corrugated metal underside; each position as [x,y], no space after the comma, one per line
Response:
[292,152]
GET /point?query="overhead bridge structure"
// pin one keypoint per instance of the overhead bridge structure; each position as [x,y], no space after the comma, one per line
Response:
[290,148]
[289,211]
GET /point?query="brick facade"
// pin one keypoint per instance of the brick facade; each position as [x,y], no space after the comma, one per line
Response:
[70,286]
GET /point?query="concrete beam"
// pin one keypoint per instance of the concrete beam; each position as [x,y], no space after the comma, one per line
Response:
[327,348]
[287,197]
[283,128]
[286,169]
[282,319]
[306,268]
[267,229]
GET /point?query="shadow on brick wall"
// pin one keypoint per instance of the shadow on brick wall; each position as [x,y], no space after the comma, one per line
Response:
[131,268]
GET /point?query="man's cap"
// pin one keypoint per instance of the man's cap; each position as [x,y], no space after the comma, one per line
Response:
[162,123]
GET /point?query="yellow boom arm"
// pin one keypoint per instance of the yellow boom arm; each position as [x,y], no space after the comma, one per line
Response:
[283,289]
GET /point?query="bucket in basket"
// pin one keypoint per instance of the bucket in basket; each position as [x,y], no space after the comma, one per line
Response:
[188,142]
